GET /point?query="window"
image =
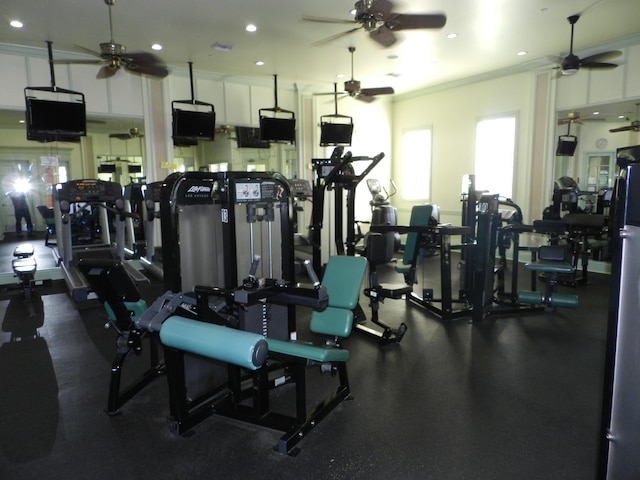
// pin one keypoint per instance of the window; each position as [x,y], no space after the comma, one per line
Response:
[495,150]
[416,164]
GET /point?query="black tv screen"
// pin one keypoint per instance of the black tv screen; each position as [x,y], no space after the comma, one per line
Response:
[335,134]
[49,117]
[278,129]
[566,145]
[134,168]
[193,125]
[106,168]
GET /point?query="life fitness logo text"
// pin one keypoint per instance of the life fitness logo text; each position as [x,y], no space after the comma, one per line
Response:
[201,191]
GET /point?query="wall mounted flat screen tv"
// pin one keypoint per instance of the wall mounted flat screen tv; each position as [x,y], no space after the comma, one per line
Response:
[52,117]
[191,124]
[249,137]
[134,168]
[274,129]
[566,145]
[335,134]
[107,168]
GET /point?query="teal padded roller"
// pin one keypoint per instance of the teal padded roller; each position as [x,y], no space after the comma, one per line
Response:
[563,300]
[530,298]
[245,349]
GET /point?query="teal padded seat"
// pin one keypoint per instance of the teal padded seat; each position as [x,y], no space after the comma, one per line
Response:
[342,278]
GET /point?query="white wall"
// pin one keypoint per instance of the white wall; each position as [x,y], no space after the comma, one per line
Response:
[452,115]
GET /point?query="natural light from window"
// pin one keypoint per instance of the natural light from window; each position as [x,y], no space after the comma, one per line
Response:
[416,164]
[495,150]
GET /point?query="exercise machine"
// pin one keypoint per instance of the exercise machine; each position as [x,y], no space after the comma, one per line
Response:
[619,435]
[215,358]
[84,210]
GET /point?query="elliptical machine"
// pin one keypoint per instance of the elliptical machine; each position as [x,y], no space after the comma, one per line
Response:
[383,213]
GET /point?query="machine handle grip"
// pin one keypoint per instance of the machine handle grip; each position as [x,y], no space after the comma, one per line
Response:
[254,266]
[312,274]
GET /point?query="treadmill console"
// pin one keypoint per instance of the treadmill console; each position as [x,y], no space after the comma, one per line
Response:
[89,191]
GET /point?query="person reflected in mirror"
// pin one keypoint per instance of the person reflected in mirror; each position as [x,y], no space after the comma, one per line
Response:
[21,209]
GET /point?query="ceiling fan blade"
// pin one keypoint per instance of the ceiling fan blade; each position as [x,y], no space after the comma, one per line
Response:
[308,18]
[89,51]
[364,98]
[335,37]
[383,36]
[621,129]
[106,72]
[120,136]
[599,66]
[144,63]
[413,21]
[377,91]
[78,62]
[600,57]
[159,71]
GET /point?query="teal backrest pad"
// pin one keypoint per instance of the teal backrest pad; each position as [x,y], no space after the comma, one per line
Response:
[343,279]
[420,217]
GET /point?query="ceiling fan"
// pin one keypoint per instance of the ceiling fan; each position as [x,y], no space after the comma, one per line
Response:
[352,87]
[634,126]
[574,117]
[376,17]
[133,132]
[114,55]
[570,64]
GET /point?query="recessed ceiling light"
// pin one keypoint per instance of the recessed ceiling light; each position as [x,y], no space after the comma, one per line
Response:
[340,75]
[16,24]
[521,53]
[156,46]
[596,113]
[452,35]
[620,116]
[259,63]
[20,121]
[251,28]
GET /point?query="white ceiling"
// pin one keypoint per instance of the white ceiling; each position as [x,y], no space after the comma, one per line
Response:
[490,33]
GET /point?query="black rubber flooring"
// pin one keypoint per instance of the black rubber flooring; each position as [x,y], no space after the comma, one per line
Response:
[515,397]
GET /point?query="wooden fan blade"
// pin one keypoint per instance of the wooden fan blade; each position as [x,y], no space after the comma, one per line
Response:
[621,129]
[145,63]
[364,98]
[383,36]
[78,62]
[599,66]
[402,21]
[335,37]
[106,72]
[308,18]
[89,51]
[377,91]
[600,57]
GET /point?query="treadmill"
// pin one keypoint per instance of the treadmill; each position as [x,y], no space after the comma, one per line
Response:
[84,211]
